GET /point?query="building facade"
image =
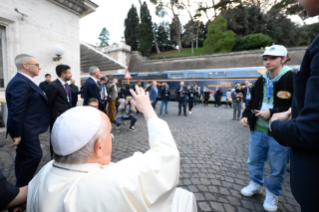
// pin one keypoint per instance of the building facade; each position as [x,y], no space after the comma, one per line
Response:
[33,27]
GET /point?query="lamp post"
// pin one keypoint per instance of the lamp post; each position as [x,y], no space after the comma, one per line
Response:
[58,50]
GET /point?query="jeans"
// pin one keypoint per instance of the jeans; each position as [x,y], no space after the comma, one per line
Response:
[131,117]
[154,105]
[263,147]
[164,103]
[236,107]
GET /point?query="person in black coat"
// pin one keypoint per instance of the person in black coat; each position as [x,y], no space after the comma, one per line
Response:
[75,92]
[206,96]
[298,128]
[218,96]
[12,196]
[46,82]
[59,95]
[91,88]
[165,95]
[28,116]
[191,97]
[181,95]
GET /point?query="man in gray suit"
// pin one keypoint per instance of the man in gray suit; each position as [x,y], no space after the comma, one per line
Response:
[112,91]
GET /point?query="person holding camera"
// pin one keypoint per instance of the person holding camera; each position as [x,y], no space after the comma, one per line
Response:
[191,96]
[127,110]
[237,98]
[165,94]
[181,94]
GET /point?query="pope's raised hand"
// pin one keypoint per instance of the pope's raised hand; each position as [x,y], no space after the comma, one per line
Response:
[143,102]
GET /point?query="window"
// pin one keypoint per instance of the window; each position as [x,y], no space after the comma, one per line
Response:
[195,75]
[2,56]
[176,76]
[243,74]
[216,75]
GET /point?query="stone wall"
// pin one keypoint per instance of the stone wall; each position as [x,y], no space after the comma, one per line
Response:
[229,60]
[47,24]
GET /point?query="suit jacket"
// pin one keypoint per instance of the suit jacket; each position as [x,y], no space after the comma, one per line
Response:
[91,90]
[7,192]
[43,85]
[301,132]
[178,93]
[75,92]
[58,100]
[153,94]
[28,109]
[112,90]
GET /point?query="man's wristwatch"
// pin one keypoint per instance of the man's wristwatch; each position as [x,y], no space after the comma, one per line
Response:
[269,126]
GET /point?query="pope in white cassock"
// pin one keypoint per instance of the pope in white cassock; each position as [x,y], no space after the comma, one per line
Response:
[83,178]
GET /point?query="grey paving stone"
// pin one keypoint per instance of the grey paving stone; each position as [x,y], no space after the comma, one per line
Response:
[205,181]
[204,206]
[240,209]
[248,204]
[213,189]
[259,207]
[202,188]
[223,191]
[192,188]
[199,196]
[215,182]
[233,200]
[209,196]
[195,181]
[229,208]
[292,201]
[217,206]
[187,182]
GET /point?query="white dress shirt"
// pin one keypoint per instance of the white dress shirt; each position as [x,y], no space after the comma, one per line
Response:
[95,80]
[27,76]
[143,182]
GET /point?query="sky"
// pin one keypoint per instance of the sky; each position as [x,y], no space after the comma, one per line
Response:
[112,13]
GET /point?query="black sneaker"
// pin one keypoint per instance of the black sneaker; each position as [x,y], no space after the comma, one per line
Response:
[132,129]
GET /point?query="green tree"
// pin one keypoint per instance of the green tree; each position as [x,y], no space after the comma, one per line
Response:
[218,38]
[163,36]
[145,31]
[131,28]
[104,37]
[252,41]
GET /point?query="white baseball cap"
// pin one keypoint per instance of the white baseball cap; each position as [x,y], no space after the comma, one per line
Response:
[74,129]
[276,50]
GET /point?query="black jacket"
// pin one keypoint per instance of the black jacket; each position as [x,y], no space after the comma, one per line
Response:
[165,94]
[184,95]
[301,132]
[75,90]
[206,94]
[191,93]
[7,192]
[57,100]
[284,86]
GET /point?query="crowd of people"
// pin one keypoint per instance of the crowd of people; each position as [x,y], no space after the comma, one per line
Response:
[281,110]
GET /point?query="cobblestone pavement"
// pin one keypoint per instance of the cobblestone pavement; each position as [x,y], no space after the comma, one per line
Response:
[213,151]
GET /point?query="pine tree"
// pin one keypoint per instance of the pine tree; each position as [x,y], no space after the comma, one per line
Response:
[104,37]
[145,31]
[218,38]
[131,28]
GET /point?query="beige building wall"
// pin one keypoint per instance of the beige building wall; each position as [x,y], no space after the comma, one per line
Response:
[47,24]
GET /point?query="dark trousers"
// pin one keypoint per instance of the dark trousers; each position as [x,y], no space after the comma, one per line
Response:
[180,104]
[217,102]
[74,103]
[102,106]
[190,104]
[28,157]
[121,119]
[154,105]
[206,102]
[246,102]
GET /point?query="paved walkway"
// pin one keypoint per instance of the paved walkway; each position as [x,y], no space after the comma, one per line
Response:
[213,151]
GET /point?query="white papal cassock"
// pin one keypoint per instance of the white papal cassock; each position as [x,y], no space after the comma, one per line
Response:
[143,182]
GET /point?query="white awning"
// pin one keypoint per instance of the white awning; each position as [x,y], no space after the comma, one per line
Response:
[93,57]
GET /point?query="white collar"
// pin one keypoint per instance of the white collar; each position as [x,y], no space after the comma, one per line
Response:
[62,82]
[27,76]
[82,166]
[95,80]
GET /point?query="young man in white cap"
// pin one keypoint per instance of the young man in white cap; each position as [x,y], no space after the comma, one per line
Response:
[271,93]
[83,178]
[298,127]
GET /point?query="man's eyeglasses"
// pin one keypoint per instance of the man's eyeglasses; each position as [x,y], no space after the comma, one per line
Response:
[37,64]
